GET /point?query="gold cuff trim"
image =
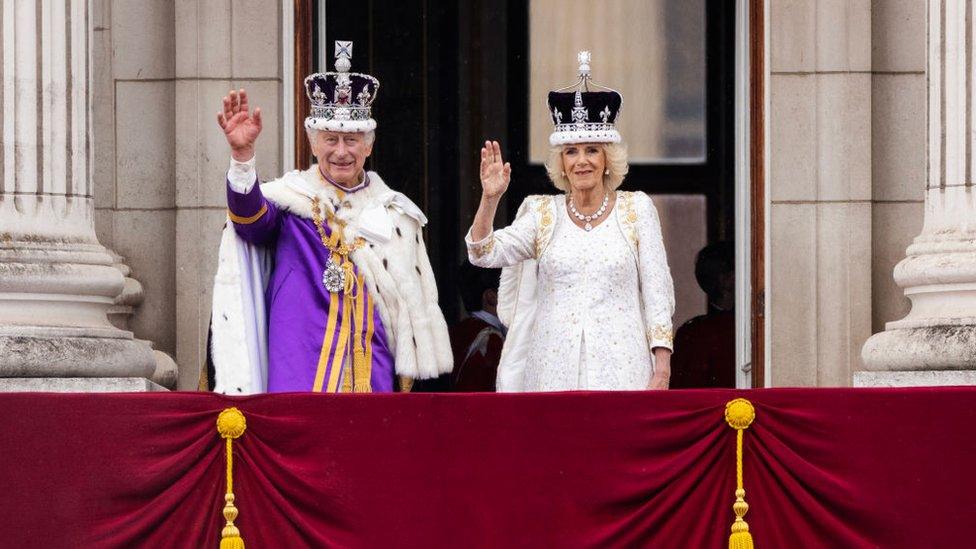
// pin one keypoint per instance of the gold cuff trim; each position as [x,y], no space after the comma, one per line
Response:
[660,332]
[247,220]
[485,247]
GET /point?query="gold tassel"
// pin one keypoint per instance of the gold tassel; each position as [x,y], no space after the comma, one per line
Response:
[361,367]
[406,384]
[346,335]
[739,414]
[349,278]
[346,377]
[362,373]
[348,307]
[230,425]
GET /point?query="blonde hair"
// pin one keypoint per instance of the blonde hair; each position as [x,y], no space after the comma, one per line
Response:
[616,159]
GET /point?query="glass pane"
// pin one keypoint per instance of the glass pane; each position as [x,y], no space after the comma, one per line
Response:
[651,51]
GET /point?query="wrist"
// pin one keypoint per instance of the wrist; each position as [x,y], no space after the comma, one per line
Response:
[242,154]
[490,201]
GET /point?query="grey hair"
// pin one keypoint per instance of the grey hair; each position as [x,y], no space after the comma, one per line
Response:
[616,156]
[369,137]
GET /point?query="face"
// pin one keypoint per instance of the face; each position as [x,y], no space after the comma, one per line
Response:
[584,165]
[341,156]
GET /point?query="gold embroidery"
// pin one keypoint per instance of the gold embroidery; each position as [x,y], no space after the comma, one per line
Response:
[630,216]
[247,220]
[660,332]
[485,247]
[545,224]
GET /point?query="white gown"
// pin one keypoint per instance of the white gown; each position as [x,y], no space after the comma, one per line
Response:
[601,303]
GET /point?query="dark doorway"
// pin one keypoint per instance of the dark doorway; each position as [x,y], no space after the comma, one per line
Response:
[411,47]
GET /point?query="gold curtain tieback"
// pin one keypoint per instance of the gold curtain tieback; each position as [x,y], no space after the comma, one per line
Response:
[230,425]
[739,414]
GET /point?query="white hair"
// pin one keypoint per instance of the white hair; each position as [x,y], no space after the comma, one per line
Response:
[368,137]
[616,158]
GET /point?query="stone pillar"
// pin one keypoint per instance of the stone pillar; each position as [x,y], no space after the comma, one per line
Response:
[56,281]
[936,343]
[819,199]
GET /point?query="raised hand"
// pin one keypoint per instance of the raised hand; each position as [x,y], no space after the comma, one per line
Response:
[241,128]
[495,174]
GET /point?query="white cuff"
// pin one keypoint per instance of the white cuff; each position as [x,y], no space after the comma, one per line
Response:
[241,176]
[480,248]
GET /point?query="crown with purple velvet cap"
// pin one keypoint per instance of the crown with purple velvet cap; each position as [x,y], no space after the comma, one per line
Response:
[341,100]
[582,115]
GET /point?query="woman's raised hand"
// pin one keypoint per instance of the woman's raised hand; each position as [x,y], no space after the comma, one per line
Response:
[241,128]
[495,174]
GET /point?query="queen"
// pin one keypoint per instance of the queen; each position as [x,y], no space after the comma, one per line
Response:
[586,292]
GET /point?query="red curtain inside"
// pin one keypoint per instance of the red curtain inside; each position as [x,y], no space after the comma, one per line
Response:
[823,468]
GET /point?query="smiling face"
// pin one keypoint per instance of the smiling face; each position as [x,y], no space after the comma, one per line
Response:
[584,165]
[341,156]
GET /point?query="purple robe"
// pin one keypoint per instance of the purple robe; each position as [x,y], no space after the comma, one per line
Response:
[298,305]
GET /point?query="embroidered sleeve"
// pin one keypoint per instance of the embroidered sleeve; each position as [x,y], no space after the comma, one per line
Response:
[657,287]
[508,246]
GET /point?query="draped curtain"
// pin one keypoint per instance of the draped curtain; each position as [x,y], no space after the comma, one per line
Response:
[823,468]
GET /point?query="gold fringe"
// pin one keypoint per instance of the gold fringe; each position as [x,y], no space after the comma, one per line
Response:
[347,373]
[739,414]
[361,368]
[347,369]
[230,425]
[406,384]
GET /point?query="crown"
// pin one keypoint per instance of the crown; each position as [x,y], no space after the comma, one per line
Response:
[581,115]
[341,100]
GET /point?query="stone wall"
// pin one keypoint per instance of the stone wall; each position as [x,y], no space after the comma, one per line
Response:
[133,146]
[820,189]
[160,70]
[898,147]
[847,171]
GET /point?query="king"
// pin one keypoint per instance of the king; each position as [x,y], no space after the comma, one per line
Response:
[323,282]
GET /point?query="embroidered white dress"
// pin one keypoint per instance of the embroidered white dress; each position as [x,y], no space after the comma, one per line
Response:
[601,300]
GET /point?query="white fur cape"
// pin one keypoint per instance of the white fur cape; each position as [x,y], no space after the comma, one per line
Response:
[395,267]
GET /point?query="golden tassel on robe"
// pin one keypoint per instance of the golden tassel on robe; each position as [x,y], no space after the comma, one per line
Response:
[347,370]
[739,414]
[361,367]
[230,425]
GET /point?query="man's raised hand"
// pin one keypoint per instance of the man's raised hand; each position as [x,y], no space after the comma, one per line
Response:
[241,128]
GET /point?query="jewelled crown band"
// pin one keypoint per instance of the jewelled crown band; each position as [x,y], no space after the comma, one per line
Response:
[341,101]
[582,115]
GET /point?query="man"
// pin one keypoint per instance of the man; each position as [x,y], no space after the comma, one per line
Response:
[477,340]
[705,345]
[323,282]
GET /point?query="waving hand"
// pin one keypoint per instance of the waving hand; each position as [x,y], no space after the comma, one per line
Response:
[241,128]
[495,174]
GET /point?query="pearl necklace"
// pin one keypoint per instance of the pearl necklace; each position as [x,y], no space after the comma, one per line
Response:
[588,219]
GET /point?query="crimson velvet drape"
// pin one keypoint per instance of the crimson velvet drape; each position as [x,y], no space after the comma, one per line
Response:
[823,468]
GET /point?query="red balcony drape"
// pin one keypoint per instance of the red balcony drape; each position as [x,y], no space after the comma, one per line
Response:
[823,468]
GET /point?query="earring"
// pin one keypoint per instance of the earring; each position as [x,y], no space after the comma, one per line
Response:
[606,171]
[562,174]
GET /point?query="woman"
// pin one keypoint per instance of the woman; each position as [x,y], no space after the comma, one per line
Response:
[586,291]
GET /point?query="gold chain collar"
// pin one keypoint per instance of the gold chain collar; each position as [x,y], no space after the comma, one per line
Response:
[337,242]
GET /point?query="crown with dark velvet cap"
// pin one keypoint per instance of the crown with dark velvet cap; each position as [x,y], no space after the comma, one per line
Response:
[341,100]
[581,115]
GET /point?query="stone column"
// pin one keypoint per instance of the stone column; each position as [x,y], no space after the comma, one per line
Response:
[936,343]
[56,281]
